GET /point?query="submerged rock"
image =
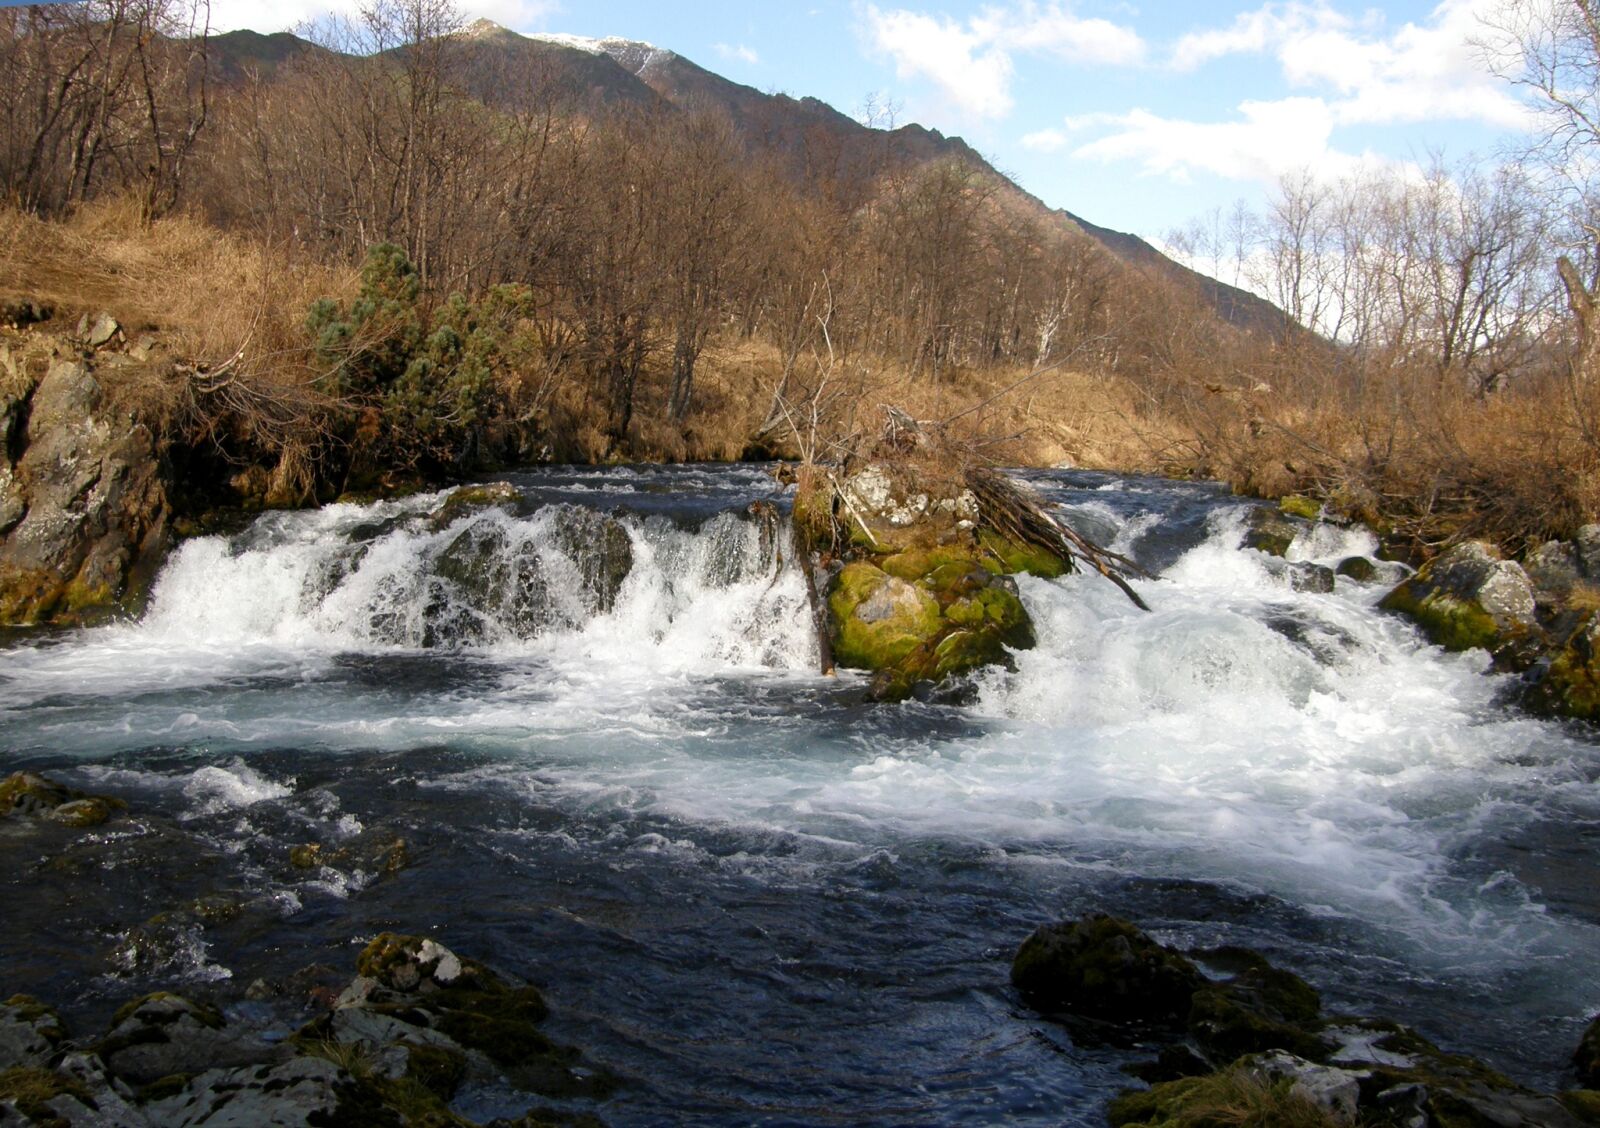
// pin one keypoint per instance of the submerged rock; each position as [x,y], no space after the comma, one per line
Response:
[27,795]
[1271,530]
[472,499]
[1358,568]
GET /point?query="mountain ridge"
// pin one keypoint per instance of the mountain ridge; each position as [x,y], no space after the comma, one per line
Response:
[814,139]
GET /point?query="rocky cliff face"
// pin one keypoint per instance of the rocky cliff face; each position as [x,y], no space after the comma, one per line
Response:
[83,503]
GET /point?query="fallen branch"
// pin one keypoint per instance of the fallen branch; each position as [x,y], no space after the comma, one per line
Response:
[1014,510]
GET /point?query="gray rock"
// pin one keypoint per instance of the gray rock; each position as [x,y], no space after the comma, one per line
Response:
[163,1034]
[1305,576]
[86,503]
[30,1034]
[295,1094]
[1587,544]
[1336,1090]
[1553,569]
[109,1104]
[104,330]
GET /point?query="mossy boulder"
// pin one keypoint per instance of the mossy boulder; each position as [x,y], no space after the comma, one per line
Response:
[1586,1059]
[1259,1008]
[1469,598]
[922,616]
[1568,684]
[465,500]
[880,618]
[1102,967]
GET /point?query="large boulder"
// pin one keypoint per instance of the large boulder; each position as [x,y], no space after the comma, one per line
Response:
[1102,967]
[1469,598]
[83,506]
[921,616]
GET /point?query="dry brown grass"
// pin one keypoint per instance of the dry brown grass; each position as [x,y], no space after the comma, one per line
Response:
[210,291]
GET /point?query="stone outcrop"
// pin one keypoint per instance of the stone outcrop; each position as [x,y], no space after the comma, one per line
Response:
[416,1024]
[83,504]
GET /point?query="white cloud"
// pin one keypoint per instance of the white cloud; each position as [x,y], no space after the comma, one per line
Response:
[974,76]
[736,53]
[971,62]
[1425,71]
[1266,142]
[1045,140]
[1338,73]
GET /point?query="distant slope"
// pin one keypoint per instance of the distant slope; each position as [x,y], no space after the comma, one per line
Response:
[815,143]
[236,55]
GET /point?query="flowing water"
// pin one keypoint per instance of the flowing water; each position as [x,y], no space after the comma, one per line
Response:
[596,724]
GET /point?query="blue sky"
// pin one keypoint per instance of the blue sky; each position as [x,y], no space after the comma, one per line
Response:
[1137,116]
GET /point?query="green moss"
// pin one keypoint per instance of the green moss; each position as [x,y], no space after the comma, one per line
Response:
[941,565]
[1009,557]
[1447,621]
[1228,1099]
[1582,1103]
[1298,505]
[437,1068]
[909,618]
[307,855]
[1262,1009]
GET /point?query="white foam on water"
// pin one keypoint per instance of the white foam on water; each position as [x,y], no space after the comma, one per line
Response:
[213,789]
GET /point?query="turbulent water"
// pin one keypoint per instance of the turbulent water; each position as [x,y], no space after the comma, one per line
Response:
[595,721]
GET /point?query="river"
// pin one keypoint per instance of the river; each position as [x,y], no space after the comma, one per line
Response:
[596,724]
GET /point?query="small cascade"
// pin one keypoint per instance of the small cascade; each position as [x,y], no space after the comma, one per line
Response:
[395,577]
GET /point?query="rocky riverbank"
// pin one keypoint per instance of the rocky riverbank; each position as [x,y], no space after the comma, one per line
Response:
[1243,1042]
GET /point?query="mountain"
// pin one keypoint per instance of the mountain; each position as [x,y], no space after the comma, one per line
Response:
[815,143]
